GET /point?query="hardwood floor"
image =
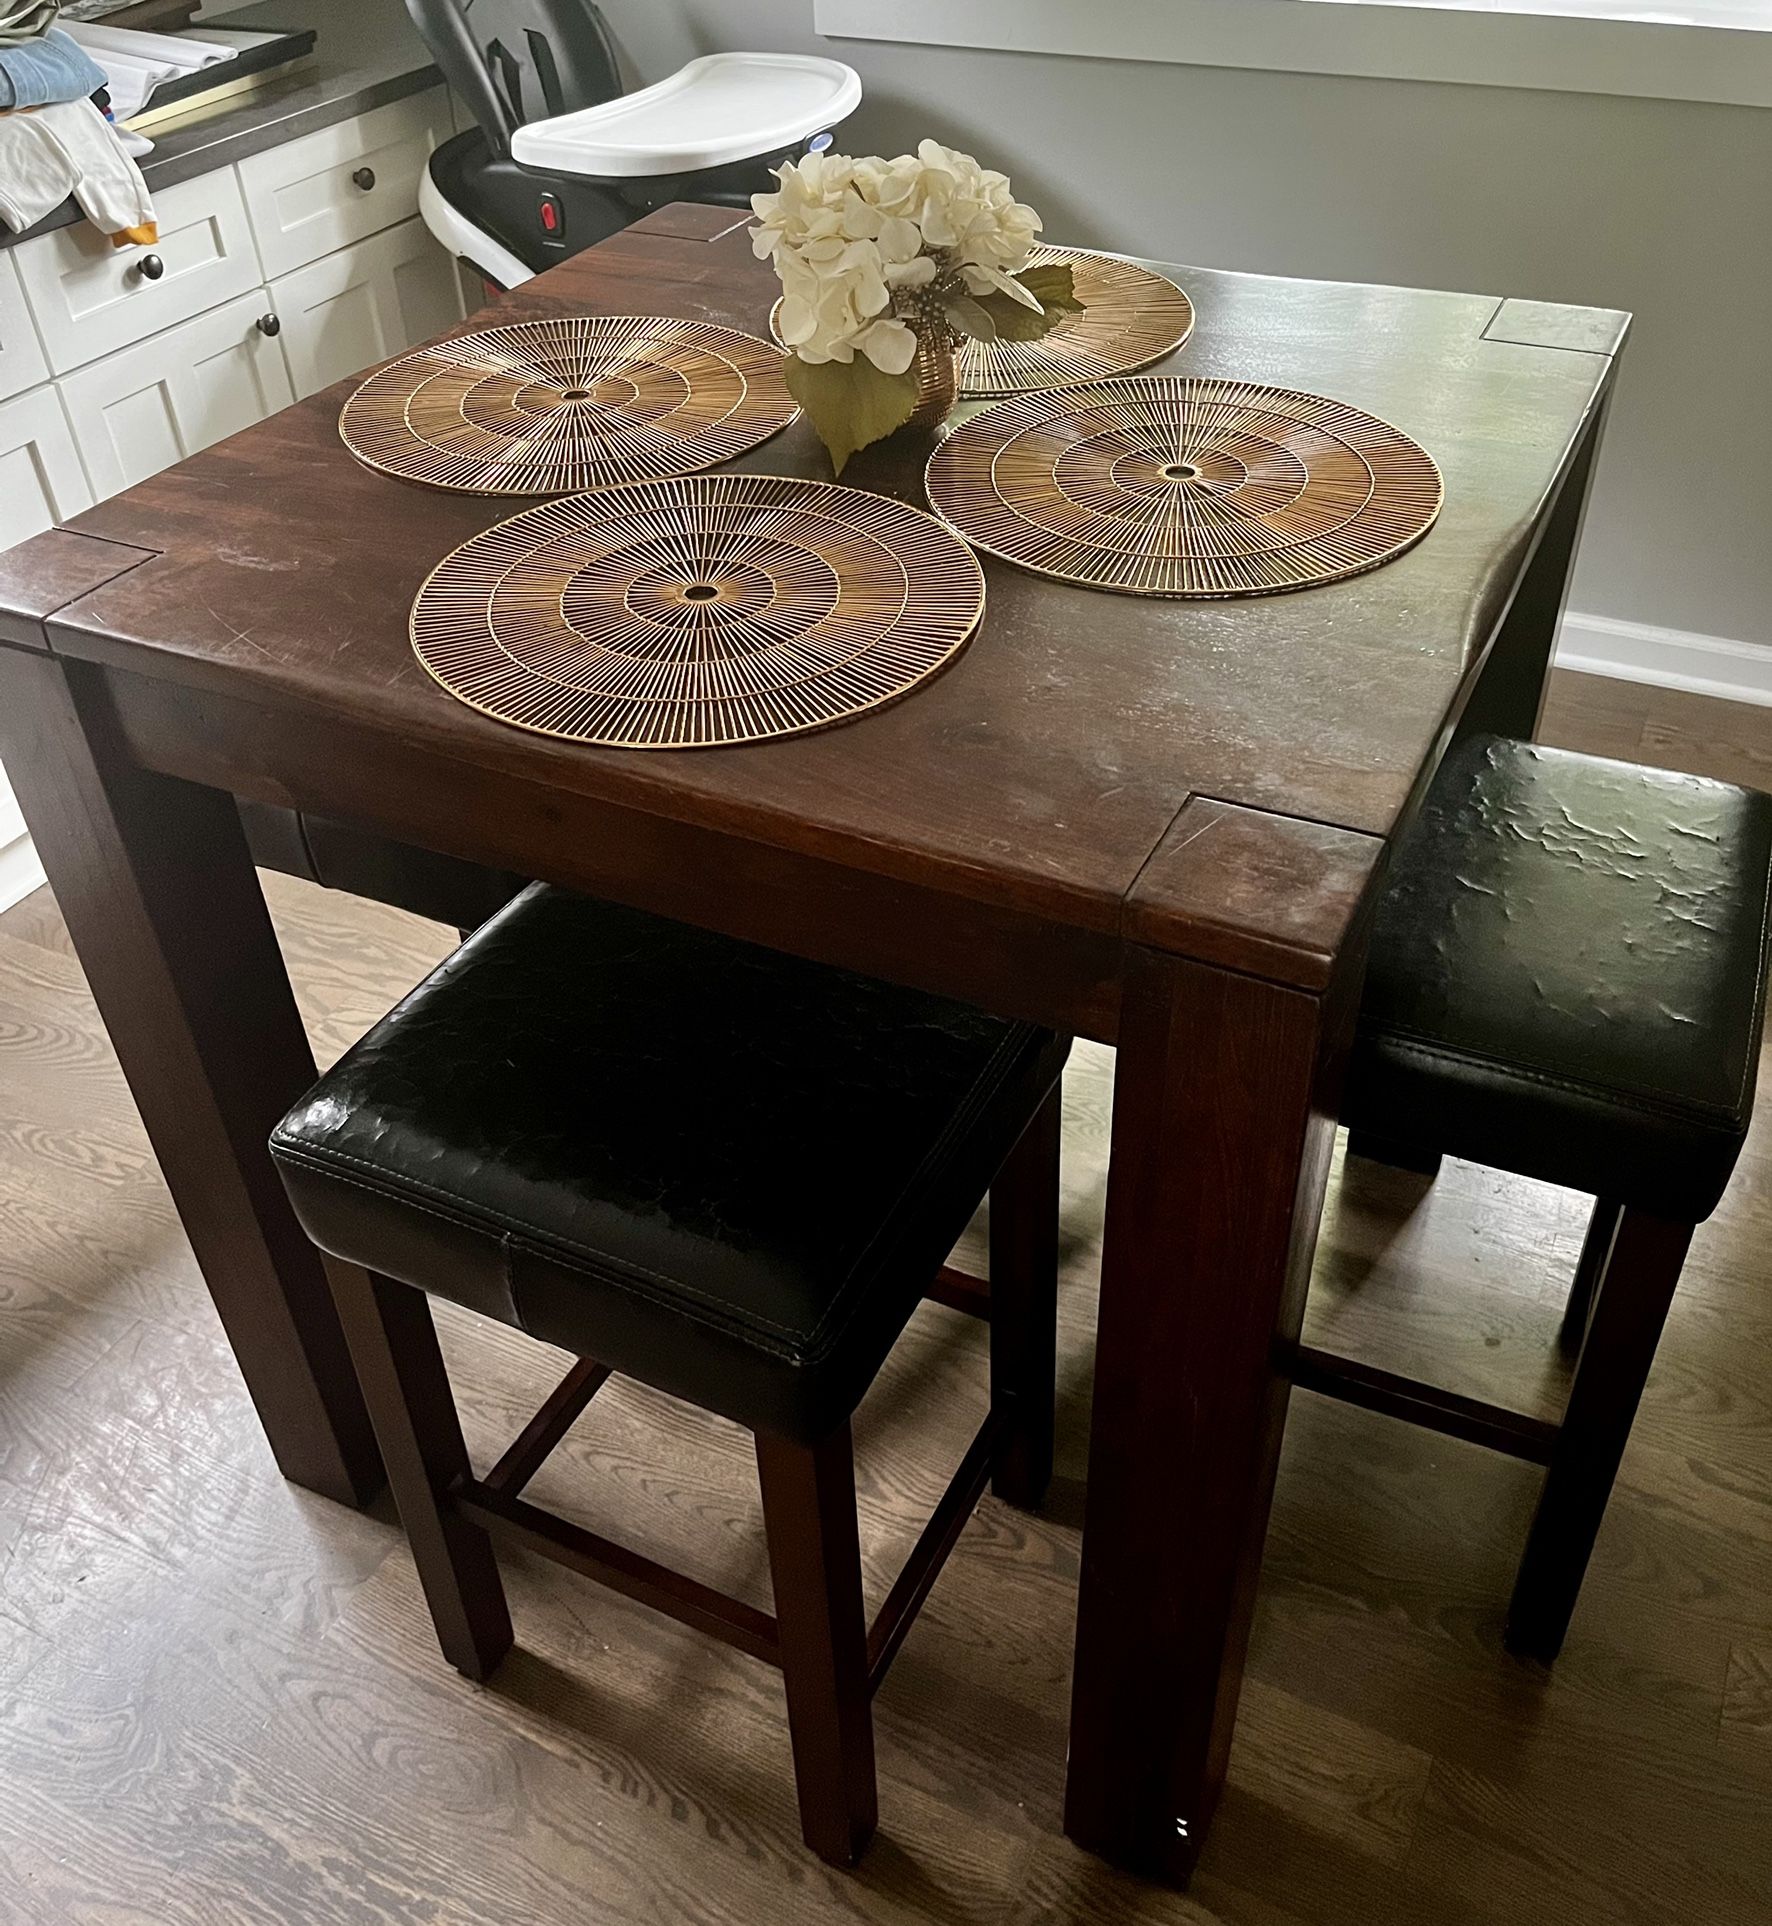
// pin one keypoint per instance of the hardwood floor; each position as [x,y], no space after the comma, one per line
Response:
[220,1699]
[1665,727]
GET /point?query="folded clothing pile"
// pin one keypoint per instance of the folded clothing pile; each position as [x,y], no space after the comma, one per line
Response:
[53,140]
[41,72]
[135,64]
[26,19]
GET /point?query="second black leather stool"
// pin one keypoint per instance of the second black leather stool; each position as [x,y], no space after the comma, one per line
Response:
[1568,981]
[727,1173]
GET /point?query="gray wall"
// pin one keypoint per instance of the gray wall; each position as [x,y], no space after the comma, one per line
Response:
[1655,206]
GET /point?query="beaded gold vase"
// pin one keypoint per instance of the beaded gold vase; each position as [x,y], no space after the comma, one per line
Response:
[937,369]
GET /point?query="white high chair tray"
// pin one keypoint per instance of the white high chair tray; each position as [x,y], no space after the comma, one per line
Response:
[723,107]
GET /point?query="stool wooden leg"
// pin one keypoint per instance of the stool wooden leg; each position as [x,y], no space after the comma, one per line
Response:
[1388,1150]
[815,1562]
[394,1347]
[1596,1248]
[1632,1305]
[1024,1305]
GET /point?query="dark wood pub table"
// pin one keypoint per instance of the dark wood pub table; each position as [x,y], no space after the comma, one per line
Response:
[1158,824]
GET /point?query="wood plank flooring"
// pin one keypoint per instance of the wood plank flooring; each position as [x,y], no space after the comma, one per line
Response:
[220,1702]
[1667,728]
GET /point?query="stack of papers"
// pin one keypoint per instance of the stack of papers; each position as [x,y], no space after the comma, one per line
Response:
[136,63]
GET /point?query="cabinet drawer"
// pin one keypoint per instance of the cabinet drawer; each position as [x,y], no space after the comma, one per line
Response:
[144,409]
[364,304]
[309,196]
[90,298]
[22,362]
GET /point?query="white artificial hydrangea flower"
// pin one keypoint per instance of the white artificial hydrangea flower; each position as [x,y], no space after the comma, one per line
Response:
[853,241]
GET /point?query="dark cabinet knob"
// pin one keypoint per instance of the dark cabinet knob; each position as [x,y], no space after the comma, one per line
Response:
[150,267]
[269,324]
[365,178]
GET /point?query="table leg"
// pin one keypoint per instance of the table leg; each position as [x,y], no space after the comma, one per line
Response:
[1219,1159]
[164,907]
[1508,699]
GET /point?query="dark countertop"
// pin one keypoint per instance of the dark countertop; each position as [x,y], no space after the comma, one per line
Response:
[366,54]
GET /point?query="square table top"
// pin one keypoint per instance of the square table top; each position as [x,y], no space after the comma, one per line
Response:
[1045,768]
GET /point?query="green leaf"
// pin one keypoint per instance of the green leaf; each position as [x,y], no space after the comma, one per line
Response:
[971,317]
[850,403]
[1013,321]
[1050,285]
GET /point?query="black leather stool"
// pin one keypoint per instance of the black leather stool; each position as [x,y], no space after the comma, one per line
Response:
[1568,981]
[722,1171]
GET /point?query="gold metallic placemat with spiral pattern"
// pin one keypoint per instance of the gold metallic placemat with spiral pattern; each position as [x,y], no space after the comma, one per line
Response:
[553,407]
[709,609]
[1184,487]
[1131,317]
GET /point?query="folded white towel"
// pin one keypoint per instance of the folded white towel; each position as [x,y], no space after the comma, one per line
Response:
[129,81]
[181,52]
[136,63]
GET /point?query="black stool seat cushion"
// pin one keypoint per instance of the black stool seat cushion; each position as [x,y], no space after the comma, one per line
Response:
[1568,975]
[720,1170]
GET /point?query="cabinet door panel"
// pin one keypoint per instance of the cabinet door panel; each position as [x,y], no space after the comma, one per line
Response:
[22,363]
[41,480]
[41,483]
[345,313]
[139,411]
[310,196]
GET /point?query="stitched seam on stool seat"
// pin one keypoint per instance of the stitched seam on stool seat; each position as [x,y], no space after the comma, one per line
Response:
[814,1346]
[400,1192]
[1644,1098]
[793,1346]
[730,1324]
[1707,1117]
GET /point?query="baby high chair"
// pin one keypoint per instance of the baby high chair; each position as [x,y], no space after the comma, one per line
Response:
[562,157]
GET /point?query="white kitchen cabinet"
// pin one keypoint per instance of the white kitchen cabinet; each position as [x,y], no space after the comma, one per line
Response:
[90,298]
[41,479]
[41,483]
[311,196]
[20,871]
[22,363]
[117,362]
[139,411]
[348,310]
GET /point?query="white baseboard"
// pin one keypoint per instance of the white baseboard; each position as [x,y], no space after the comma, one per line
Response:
[1711,665]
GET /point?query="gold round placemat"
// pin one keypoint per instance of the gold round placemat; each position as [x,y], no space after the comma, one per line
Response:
[1184,487]
[1131,317]
[554,407]
[708,609]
